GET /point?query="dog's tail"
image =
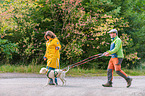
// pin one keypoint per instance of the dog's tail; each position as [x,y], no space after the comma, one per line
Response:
[67,69]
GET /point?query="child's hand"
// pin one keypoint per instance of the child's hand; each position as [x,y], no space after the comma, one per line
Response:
[57,48]
[44,58]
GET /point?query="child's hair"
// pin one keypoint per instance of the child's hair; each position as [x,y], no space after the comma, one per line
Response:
[49,33]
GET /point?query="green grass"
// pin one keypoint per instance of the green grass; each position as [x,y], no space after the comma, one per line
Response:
[97,72]
[77,72]
[74,72]
[20,68]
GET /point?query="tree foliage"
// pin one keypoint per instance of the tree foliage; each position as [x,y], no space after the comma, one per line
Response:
[80,25]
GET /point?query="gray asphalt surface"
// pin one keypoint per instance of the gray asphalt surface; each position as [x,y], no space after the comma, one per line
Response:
[16,84]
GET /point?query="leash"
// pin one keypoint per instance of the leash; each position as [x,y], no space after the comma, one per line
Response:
[84,61]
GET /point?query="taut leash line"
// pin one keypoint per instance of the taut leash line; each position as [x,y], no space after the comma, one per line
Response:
[84,61]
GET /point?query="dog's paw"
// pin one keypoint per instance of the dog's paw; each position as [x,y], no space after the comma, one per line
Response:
[45,85]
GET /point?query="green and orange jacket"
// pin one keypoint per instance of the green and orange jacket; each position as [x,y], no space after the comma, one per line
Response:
[116,48]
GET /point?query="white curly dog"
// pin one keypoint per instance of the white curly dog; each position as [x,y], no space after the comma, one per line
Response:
[55,73]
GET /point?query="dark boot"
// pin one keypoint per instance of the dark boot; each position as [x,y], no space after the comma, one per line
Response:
[109,75]
[128,79]
[108,84]
[129,82]
[51,82]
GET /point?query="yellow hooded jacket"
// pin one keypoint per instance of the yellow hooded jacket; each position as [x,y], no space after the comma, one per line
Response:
[51,53]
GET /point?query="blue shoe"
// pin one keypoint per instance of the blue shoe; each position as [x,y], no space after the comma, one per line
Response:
[51,82]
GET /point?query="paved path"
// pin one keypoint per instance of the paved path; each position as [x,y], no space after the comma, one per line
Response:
[16,84]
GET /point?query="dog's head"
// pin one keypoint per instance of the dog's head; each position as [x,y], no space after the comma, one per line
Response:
[43,71]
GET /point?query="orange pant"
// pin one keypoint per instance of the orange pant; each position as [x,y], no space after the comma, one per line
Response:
[115,63]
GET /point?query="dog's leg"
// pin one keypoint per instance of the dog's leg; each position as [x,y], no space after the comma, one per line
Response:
[62,81]
[54,81]
[64,77]
[47,82]
[61,78]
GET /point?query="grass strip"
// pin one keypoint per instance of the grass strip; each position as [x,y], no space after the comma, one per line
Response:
[74,72]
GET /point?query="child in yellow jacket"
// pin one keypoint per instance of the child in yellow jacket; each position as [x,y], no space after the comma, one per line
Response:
[52,52]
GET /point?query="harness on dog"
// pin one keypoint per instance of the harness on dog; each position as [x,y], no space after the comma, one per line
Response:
[55,74]
[48,74]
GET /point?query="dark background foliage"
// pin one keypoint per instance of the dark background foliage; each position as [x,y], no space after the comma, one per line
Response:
[80,25]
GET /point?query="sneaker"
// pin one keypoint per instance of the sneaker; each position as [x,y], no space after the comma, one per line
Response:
[51,84]
[129,82]
[107,85]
